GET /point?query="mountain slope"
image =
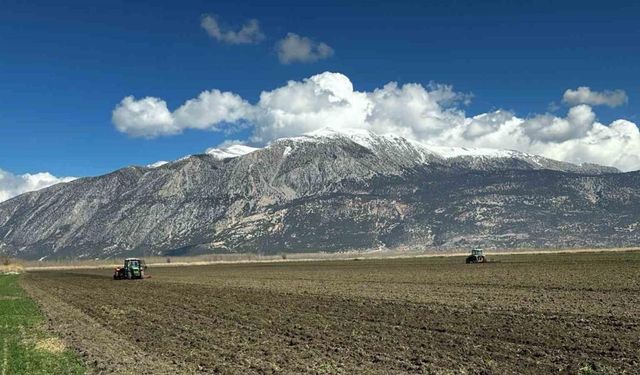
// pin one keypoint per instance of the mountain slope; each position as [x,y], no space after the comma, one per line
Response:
[327,191]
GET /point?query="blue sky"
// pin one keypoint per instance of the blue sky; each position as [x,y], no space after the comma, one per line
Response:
[64,67]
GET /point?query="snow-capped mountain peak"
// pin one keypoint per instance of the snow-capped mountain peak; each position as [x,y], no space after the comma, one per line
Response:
[413,152]
[232,151]
[157,164]
[372,140]
[403,152]
[331,191]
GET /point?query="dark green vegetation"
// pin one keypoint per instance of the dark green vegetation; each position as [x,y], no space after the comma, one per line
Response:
[525,314]
[25,348]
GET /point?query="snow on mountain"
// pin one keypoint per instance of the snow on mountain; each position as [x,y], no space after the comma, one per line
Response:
[371,140]
[456,152]
[375,142]
[391,145]
[157,164]
[404,152]
[327,191]
[232,151]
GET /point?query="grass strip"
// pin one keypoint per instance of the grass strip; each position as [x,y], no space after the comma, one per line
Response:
[25,347]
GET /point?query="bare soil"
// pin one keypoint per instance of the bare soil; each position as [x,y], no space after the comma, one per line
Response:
[522,314]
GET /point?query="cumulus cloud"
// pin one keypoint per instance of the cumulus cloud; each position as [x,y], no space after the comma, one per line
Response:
[578,137]
[326,99]
[149,117]
[584,95]
[211,108]
[329,100]
[548,128]
[413,111]
[249,33]
[12,184]
[429,114]
[295,48]
[616,144]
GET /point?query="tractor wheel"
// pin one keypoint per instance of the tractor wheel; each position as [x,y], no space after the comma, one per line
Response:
[481,260]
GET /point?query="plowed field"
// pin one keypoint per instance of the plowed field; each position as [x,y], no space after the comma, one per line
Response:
[567,313]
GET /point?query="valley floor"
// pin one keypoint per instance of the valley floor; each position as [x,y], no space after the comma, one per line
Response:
[545,313]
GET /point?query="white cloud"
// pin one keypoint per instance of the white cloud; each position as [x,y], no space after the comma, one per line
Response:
[211,108]
[326,99]
[428,114]
[329,100]
[548,128]
[149,117]
[295,48]
[584,95]
[249,33]
[486,124]
[413,111]
[577,138]
[616,144]
[12,184]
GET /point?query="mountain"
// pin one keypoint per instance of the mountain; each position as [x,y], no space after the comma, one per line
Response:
[327,191]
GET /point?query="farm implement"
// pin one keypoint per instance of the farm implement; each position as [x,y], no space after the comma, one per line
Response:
[133,269]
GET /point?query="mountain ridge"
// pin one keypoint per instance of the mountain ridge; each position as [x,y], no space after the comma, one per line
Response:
[369,140]
[325,192]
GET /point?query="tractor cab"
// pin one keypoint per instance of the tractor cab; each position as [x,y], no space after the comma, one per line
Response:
[477,256]
[133,269]
[133,263]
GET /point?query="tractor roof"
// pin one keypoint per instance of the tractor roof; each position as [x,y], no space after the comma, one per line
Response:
[132,259]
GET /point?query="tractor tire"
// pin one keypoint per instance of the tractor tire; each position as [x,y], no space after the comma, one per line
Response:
[482,260]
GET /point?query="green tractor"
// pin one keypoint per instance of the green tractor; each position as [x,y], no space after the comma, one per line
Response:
[133,269]
[477,256]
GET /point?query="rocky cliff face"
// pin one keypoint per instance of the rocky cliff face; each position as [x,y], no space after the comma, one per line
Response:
[327,191]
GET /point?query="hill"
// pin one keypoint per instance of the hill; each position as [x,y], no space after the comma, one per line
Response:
[327,191]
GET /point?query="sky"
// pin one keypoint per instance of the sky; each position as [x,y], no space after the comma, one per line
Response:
[89,87]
